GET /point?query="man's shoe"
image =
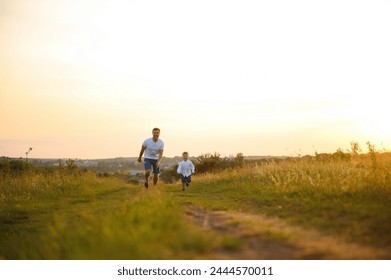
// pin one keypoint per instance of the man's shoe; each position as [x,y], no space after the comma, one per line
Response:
[146,185]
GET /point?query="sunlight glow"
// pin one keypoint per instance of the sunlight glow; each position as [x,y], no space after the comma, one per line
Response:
[258,77]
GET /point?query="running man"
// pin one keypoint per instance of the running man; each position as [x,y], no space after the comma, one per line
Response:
[153,148]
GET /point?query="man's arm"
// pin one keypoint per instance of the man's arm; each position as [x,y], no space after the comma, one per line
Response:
[160,157]
[141,153]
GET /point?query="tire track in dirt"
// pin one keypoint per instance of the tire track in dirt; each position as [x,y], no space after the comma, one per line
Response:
[274,239]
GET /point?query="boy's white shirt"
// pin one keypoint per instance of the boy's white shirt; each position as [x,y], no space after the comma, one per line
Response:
[186,167]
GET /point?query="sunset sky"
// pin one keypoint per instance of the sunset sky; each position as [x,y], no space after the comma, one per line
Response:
[90,79]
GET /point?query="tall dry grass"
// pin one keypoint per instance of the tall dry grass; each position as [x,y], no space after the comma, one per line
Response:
[65,214]
[348,196]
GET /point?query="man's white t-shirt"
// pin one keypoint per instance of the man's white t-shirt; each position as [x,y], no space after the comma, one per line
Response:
[186,167]
[153,148]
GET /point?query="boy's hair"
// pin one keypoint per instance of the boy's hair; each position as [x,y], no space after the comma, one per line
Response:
[185,153]
[158,129]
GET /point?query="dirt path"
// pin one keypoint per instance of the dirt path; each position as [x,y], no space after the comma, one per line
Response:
[272,238]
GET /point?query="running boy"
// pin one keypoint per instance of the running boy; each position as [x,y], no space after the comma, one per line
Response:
[185,168]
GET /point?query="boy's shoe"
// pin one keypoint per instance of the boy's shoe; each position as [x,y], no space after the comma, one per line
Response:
[183,189]
[187,184]
[146,185]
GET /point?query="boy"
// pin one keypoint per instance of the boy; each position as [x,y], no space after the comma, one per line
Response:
[153,148]
[185,168]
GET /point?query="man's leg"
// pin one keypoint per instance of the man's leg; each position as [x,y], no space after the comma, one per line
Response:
[147,173]
[156,172]
[147,166]
[155,179]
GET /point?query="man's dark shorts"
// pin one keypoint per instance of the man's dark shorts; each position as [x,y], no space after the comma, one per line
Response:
[151,163]
[186,179]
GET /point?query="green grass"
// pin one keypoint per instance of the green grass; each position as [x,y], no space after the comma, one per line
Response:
[85,217]
[351,199]
[75,215]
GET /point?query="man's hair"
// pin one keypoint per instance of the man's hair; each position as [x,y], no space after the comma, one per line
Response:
[185,153]
[158,129]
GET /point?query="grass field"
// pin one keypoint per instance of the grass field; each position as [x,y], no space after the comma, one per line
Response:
[68,216]
[76,215]
[345,198]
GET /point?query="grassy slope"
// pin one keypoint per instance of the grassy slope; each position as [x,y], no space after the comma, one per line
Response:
[93,219]
[348,199]
[79,216]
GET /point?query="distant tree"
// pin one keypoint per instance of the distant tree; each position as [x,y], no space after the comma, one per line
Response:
[71,164]
[170,175]
[214,162]
[208,163]
[15,166]
[239,160]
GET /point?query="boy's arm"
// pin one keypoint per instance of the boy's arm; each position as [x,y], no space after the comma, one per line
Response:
[179,168]
[192,168]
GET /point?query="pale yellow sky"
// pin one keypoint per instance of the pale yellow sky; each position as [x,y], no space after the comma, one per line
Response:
[90,79]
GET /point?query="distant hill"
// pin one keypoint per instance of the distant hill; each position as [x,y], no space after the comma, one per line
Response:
[118,164]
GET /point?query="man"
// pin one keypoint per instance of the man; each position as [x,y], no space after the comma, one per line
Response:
[153,148]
